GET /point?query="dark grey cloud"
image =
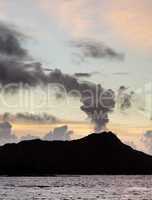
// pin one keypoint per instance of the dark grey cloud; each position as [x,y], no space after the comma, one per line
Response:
[15,61]
[95,49]
[11,42]
[83,75]
[86,74]
[15,75]
[97,104]
[14,70]
[98,113]
[66,80]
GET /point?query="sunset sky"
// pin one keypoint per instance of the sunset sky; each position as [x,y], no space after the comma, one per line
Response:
[51,28]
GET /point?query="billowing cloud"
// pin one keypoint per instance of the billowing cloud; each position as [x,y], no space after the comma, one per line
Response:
[68,84]
[59,133]
[95,49]
[96,101]
[147,141]
[97,104]
[124,98]
[6,135]
[10,42]
[15,71]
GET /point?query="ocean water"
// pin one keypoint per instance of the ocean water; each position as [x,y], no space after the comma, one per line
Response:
[76,187]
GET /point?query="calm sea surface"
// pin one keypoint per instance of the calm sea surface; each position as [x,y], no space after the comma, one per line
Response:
[77,187]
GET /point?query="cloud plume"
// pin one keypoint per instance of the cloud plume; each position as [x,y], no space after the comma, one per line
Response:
[97,104]
[70,85]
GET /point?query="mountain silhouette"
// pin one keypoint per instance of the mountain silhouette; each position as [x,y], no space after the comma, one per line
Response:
[101,153]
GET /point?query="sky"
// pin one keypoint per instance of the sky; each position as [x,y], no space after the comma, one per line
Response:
[58,34]
[122,25]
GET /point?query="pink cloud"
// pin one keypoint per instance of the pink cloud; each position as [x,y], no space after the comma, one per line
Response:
[3,10]
[129,21]
[74,17]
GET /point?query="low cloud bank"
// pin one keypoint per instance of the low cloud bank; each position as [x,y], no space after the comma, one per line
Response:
[29,118]
[147,141]
[59,133]
[6,135]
